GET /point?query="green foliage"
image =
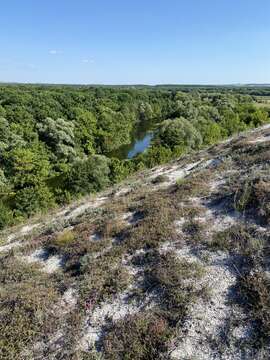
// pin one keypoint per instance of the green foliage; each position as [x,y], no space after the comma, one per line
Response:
[211,131]
[154,156]
[85,129]
[64,239]
[89,175]
[29,200]
[5,216]
[59,136]
[231,123]
[115,130]
[178,132]
[119,170]
[52,138]
[27,167]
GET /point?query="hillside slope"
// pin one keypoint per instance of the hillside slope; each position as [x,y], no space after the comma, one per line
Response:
[172,264]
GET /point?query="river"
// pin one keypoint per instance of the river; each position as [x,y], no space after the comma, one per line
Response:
[141,141]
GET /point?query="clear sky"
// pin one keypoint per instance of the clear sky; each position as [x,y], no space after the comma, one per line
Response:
[135,41]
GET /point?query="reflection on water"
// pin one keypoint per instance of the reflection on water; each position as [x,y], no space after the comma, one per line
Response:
[141,141]
[140,145]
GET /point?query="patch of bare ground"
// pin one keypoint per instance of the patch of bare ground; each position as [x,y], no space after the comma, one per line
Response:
[205,327]
[9,246]
[99,317]
[48,263]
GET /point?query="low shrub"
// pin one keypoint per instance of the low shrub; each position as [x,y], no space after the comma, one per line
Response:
[25,316]
[174,280]
[6,216]
[254,196]
[255,289]
[241,239]
[141,337]
[64,239]
[160,179]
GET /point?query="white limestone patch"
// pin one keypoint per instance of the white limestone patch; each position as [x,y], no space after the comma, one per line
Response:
[127,216]
[49,264]
[122,305]
[122,192]
[215,184]
[180,173]
[127,265]
[37,256]
[7,247]
[101,253]
[211,163]
[216,221]
[28,228]
[83,207]
[53,264]
[130,217]
[68,301]
[114,310]
[25,230]
[166,247]
[174,173]
[215,218]
[260,139]
[207,319]
[95,237]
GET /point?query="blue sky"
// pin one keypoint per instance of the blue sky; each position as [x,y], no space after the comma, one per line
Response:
[135,41]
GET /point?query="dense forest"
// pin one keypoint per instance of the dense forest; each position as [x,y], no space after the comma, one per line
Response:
[56,141]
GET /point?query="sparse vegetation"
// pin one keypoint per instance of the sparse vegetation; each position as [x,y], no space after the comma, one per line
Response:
[255,288]
[143,336]
[148,335]
[160,179]
[254,196]
[26,313]
[64,239]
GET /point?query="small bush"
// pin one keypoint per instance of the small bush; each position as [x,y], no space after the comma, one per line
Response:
[158,214]
[241,239]
[100,282]
[25,316]
[30,200]
[6,217]
[254,196]
[255,289]
[194,230]
[160,179]
[64,239]
[139,337]
[193,186]
[89,175]
[15,271]
[174,281]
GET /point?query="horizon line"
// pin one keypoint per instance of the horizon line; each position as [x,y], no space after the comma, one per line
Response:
[135,84]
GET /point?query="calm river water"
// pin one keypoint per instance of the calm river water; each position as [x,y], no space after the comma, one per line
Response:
[141,141]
